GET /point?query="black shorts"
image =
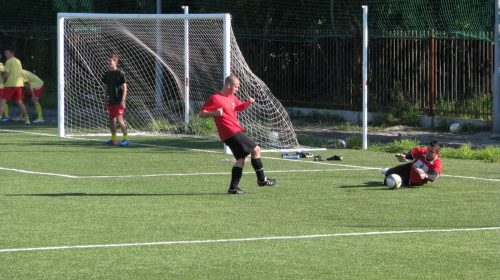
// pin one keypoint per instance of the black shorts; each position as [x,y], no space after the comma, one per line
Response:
[240,144]
[403,171]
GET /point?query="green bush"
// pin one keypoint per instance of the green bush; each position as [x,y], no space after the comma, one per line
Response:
[491,154]
[202,126]
[310,141]
[354,142]
[398,146]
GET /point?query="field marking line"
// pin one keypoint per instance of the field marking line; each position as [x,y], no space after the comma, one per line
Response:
[360,168]
[215,152]
[29,132]
[97,140]
[243,239]
[39,173]
[166,174]
[467,177]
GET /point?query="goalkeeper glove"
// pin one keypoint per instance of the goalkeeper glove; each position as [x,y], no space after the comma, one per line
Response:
[422,173]
[401,158]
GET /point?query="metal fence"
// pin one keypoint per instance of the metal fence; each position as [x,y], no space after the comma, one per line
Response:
[447,77]
[444,77]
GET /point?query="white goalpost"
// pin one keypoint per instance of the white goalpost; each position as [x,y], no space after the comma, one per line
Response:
[173,63]
[364,77]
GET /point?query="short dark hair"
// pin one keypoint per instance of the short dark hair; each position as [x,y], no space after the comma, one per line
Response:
[231,79]
[114,57]
[10,49]
[435,144]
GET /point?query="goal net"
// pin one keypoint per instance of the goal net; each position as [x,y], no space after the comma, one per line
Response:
[173,63]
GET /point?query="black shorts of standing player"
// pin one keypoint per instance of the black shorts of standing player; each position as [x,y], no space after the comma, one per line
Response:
[240,144]
[403,171]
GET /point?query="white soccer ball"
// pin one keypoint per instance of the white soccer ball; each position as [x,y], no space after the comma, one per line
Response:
[454,127]
[274,136]
[393,181]
[341,144]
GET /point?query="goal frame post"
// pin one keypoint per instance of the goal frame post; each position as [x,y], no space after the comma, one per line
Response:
[61,17]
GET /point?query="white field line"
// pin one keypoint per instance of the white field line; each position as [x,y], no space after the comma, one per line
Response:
[39,173]
[353,167]
[97,140]
[356,168]
[244,239]
[165,175]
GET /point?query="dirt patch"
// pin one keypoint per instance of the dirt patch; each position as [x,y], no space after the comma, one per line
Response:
[388,135]
[478,140]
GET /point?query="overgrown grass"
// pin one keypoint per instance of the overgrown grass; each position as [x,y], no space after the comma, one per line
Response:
[310,141]
[397,146]
[475,104]
[490,154]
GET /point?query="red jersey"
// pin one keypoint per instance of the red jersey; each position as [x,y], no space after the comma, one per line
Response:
[227,124]
[419,161]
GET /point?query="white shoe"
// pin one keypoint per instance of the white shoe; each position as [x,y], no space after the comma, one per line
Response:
[383,171]
[18,119]
[27,123]
[38,121]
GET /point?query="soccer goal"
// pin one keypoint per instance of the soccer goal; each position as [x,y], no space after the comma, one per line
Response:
[173,63]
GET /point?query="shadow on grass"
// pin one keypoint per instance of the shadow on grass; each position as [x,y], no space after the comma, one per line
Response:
[372,184]
[136,142]
[111,194]
[375,185]
[156,143]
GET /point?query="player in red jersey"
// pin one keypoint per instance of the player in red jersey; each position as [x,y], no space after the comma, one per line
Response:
[425,165]
[224,106]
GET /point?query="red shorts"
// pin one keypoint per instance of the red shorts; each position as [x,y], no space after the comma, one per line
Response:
[38,92]
[15,93]
[115,110]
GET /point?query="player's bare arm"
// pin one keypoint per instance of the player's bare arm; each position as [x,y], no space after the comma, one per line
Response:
[123,103]
[28,86]
[206,114]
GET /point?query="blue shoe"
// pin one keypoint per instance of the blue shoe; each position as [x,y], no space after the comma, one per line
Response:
[287,156]
[110,142]
[125,143]
[4,119]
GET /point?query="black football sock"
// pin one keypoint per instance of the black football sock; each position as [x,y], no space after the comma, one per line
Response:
[259,169]
[235,177]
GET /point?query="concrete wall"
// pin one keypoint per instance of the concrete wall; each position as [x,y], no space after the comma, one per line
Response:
[357,117]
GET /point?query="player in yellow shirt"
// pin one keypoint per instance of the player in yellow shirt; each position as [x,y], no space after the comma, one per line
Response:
[13,83]
[6,110]
[34,88]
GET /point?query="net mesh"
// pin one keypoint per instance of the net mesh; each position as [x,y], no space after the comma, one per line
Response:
[387,18]
[151,52]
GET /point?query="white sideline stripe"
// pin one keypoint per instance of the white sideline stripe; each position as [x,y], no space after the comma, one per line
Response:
[360,168]
[467,177]
[215,152]
[243,239]
[97,140]
[205,174]
[166,175]
[28,132]
[39,173]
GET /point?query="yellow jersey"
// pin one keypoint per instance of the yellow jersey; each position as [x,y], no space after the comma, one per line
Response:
[36,83]
[2,69]
[15,69]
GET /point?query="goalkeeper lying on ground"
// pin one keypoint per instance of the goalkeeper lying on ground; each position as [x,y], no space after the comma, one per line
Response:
[425,167]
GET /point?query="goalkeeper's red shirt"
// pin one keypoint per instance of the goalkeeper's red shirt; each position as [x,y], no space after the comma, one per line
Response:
[419,161]
[227,124]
